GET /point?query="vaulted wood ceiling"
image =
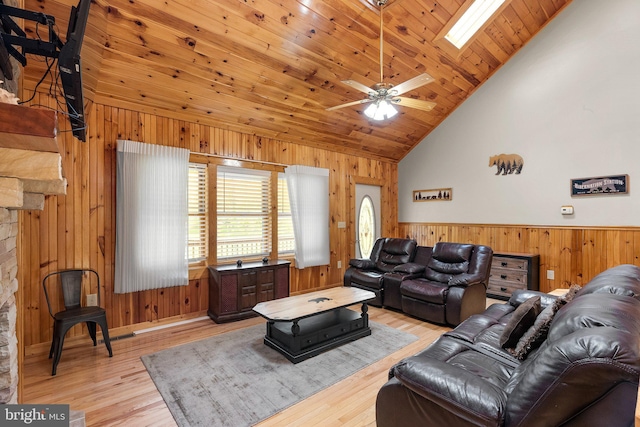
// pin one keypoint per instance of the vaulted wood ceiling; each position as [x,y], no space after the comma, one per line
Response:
[272,67]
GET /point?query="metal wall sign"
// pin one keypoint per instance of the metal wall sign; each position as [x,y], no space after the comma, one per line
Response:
[615,184]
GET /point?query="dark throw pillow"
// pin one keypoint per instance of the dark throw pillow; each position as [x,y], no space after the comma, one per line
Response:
[536,334]
[522,319]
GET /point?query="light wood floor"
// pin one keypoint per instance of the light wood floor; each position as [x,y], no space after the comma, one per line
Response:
[118,391]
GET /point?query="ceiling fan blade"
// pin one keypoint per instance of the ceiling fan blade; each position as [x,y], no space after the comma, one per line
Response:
[413,83]
[414,103]
[349,104]
[359,86]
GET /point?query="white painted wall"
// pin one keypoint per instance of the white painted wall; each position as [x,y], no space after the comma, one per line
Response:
[568,103]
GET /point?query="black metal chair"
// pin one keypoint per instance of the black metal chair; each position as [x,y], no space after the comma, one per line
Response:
[70,283]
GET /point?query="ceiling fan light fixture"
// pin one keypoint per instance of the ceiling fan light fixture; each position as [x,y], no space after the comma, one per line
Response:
[380,110]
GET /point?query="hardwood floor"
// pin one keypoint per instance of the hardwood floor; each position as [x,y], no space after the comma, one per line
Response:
[118,391]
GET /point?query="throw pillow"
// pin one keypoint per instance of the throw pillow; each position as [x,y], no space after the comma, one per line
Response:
[573,290]
[522,318]
[536,334]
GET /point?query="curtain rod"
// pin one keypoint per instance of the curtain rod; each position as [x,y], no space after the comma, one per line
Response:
[238,159]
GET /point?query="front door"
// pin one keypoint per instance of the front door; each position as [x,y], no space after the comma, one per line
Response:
[367,218]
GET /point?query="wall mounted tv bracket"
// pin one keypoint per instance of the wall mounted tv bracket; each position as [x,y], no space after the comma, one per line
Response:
[50,49]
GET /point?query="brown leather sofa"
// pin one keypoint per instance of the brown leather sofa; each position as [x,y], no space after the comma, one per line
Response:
[452,286]
[535,360]
[368,273]
[443,284]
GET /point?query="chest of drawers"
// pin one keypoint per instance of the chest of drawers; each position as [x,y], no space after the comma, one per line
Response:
[511,271]
[235,290]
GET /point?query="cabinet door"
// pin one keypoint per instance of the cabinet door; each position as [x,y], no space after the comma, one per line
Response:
[247,282]
[266,285]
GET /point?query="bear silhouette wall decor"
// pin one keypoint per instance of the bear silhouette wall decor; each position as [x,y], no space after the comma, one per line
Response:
[507,163]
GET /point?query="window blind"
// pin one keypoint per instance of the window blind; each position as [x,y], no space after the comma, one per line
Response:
[243,220]
[286,241]
[197,248]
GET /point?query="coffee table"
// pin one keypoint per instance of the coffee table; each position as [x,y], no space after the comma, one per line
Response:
[306,325]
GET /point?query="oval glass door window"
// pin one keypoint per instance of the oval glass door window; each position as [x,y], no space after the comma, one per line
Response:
[366,226]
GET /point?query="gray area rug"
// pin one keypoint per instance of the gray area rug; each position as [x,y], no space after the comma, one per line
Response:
[235,380]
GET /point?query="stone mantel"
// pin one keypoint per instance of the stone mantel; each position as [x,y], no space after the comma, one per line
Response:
[30,161]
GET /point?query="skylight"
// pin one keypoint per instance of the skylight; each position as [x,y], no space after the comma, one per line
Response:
[471,21]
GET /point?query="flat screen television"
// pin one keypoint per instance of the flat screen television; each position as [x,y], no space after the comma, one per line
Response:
[67,53]
[70,69]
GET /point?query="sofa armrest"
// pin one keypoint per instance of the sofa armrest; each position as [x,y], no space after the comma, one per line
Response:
[409,268]
[453,389]
[465,279]
[362,263]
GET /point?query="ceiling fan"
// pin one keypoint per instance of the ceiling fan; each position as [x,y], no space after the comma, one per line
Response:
[383,96]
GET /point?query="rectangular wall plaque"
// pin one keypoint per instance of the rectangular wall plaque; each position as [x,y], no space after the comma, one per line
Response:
[435,195]
[615,184]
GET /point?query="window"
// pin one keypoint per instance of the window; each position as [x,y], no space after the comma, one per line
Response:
[243,208]
[286,241]
[366,226]
[198,245]
[471,21]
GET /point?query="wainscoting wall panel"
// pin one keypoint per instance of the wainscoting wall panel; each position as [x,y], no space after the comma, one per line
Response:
[78,229]
[575,255]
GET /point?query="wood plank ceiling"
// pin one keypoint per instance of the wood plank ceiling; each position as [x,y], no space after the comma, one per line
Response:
[272,67]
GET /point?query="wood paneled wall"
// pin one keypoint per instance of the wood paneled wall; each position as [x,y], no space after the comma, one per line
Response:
[575,255]
[78,230]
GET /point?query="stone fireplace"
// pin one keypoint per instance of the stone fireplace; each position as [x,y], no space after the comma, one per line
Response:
[8,311]
[30,168]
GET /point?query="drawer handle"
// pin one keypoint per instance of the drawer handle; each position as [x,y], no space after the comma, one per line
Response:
[503,276]
[503,289]
[504,264]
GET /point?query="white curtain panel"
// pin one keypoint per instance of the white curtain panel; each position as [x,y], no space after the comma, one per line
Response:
[309,200]
[151,217]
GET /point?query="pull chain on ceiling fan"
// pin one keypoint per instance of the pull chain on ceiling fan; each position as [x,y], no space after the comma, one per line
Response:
[383,96]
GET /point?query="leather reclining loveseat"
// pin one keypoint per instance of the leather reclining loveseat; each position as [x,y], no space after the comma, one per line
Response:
[536,360]
[443,284]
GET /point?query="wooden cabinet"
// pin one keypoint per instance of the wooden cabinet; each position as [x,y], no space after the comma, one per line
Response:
[235,290]
[511,271]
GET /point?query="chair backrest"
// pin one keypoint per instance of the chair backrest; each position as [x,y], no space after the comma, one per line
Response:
[394,252]
[448,259]
[71,286]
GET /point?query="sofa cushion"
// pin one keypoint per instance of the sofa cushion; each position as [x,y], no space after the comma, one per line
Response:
[620,280]
[596,311]
[522,319]
[425,290]
[395,252]
[448,259]
[368,278]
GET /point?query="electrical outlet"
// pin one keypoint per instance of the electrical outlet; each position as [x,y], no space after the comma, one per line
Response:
[92,299]
[550,274]
[339,264]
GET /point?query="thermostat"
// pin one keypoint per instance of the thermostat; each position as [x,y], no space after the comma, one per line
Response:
[566,210]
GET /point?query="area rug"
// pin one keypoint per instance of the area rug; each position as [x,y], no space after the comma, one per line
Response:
[235,380]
